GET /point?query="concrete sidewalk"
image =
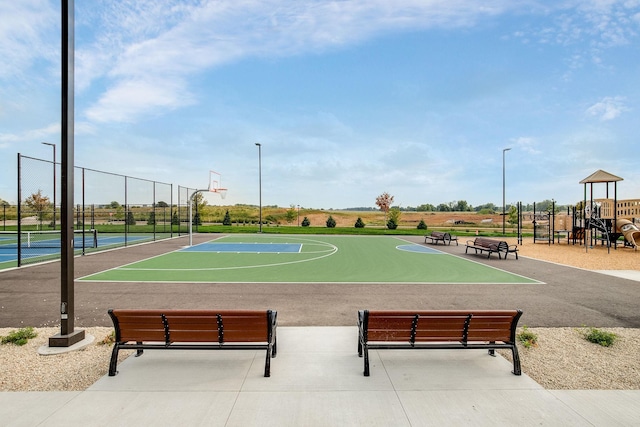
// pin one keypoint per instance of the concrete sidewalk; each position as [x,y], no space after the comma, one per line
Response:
[316,380]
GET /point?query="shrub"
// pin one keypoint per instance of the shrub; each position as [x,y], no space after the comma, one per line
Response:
[20,337]
[527,338]
[130,219]
[152,218]
[331,223]
[108,339]
[227,218]
[422,225]
[597,336]
[359,223]
[394,218]
[306,222]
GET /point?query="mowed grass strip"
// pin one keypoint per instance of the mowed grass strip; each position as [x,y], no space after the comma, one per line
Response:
[323,259]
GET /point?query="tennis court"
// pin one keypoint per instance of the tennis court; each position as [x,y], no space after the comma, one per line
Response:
[309,259]
[38,246]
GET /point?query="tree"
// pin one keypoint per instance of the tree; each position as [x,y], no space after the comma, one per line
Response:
[196,219]
[331,223]
[199,202]
[422,225]
[162,204]
[306,222]
[113,205]
[512,215]
[291,214]
[152,218]
[359,223]
[461,206]
[38,203]
[428,207]
[227,218]
[384,201]
[394,218]
[174,218]
[130,219]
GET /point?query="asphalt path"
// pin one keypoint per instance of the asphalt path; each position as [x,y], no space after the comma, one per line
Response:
[566,296]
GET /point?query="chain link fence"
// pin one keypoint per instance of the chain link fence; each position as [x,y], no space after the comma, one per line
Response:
[110,211]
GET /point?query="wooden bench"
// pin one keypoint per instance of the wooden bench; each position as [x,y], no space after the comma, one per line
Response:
[440,236]
[438,329]
[484,244]
[194,330]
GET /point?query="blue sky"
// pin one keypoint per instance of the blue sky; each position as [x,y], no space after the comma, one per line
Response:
[349,99]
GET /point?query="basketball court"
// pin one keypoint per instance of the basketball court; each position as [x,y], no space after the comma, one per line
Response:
[250,258]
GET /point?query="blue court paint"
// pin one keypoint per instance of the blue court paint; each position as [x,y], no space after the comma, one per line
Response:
[418,248]
[246,247]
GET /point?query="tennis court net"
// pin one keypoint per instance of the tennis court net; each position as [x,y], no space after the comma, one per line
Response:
[47,239]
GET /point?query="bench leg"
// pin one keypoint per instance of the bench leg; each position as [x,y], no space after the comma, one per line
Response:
[516,360]
[366,361]
[274,352]
[267,362]
[114,360]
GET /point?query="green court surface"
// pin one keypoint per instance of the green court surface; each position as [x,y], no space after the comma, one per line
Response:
[308,259]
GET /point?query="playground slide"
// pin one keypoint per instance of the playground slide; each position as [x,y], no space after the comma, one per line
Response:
[629,230]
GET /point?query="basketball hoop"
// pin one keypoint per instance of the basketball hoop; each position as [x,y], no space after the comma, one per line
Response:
[221,191]
[214,184]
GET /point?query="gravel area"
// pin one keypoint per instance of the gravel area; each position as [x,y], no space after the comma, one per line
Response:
[562,359]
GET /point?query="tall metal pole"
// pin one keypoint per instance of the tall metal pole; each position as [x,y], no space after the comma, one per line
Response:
[54,181]
[260,179]
[504,210]
[68,335]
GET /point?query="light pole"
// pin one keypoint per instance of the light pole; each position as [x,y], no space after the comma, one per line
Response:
[54,181]
[504,213]
[260,179]
[298,215]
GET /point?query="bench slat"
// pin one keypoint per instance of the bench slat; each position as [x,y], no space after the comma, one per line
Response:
[191,329]
[488,329]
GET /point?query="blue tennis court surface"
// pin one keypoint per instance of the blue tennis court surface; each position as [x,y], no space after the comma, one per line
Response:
[40,246]
[252,248]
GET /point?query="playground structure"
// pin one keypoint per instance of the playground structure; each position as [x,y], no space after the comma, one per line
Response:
[593,220]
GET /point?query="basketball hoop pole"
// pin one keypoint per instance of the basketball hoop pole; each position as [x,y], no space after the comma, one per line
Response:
[221,191]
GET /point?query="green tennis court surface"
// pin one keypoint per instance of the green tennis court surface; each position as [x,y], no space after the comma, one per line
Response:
[308,259]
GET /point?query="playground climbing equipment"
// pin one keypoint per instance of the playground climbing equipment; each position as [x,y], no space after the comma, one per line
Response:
[607,219]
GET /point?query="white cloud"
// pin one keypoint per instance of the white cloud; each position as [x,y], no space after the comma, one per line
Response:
[32,134]
[527,144]
[23,28]
[144,40]
[608,108]
[127,100]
